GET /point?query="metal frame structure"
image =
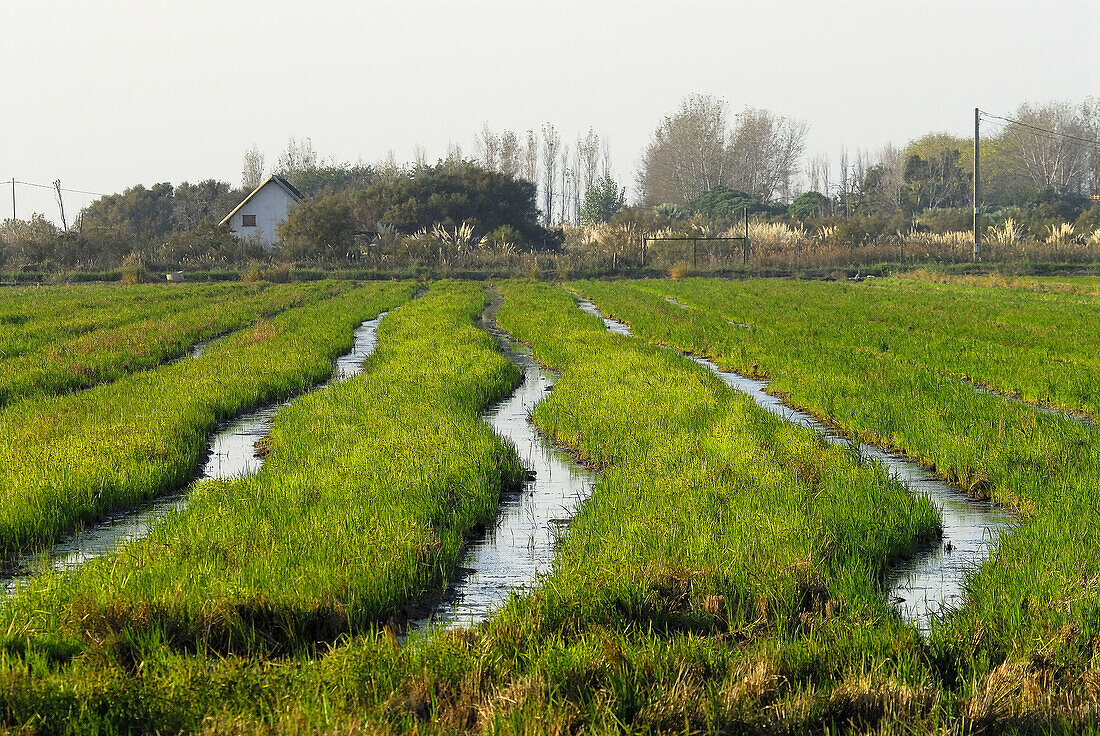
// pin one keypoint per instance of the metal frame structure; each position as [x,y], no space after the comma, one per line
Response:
[695,242]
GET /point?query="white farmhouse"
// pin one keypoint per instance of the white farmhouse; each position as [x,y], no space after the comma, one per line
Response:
[259,215]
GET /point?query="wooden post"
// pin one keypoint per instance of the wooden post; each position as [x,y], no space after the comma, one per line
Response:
[976,189]
[746,236]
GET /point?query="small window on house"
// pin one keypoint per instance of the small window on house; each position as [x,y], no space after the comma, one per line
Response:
[248,220]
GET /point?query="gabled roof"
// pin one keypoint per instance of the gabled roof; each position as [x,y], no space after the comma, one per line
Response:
[278,181]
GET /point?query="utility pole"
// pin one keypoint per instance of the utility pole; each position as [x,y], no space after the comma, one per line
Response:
[13,198]
[61,204]
[977,189]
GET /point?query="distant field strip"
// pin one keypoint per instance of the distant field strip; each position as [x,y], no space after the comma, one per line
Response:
[1041,347]
[66,460]
[365,499]
[1089,285]
[52,353]
[35,316]
[1046,465]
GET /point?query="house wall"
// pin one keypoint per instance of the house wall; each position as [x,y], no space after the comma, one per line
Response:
[271,206]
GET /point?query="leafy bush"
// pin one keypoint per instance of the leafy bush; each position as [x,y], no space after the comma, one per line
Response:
[318,229]
[450,194]
[722,206]
[134,272]
[602,201]
[809,205]
[947,219]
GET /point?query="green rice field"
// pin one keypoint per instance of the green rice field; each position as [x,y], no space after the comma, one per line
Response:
[725,567]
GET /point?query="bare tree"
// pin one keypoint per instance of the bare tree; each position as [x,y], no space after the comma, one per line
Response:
[454,153]
[510,153]
[605,177]
[567,176]
[845,181]
[575,192]
[551,146]
[487,148]
[387,170]
[588,160]
[296,157]
[688,154]
[764,152]
[503,152]
[1090,113]
[420,156]
[859,177]
[820,174]
[1050,158]
[252,169]
[813,174]
[531,158]
[884,180]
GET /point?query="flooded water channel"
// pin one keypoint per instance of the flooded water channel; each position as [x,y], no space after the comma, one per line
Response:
[521,545]
[231,454]
[683,306]
[1040,407]
[932,581]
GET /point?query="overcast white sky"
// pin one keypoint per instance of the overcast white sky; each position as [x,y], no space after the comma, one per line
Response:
[105,95]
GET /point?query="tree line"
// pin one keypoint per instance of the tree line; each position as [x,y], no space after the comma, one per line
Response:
[704,167]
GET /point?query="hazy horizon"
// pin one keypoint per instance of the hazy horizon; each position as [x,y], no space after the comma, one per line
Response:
[105,97]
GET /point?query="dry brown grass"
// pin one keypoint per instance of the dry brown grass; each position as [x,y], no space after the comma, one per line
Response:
[862,702]
[1035,692]
[755,684]
[529,701]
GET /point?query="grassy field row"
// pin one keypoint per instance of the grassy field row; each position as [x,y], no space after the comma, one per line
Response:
[1013,341]
[66,460]
[365,499]
[1047,466]
[147,335]
[1075,284]
[34,316]
[39,315]
[725,574]
[269,591]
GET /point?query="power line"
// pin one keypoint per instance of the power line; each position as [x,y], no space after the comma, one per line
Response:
[1038,134]
[1037,129]
[51,186]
